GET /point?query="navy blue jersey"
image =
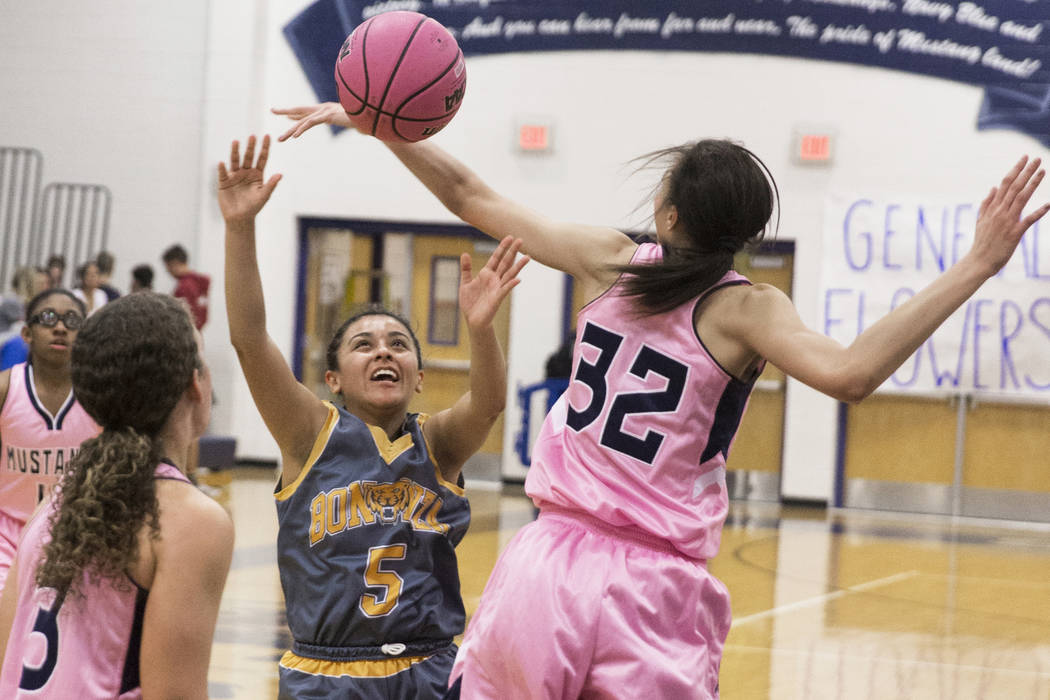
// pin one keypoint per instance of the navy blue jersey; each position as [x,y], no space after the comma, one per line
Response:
[367,537]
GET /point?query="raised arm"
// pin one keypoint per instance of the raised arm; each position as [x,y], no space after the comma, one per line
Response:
[293,415]
[458,432]
[768,323]
[583,251]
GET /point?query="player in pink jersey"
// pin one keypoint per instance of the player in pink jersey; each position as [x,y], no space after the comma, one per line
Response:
[115,589]
[41,423]
[593,599]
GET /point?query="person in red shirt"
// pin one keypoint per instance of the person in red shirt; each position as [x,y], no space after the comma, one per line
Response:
[191,286]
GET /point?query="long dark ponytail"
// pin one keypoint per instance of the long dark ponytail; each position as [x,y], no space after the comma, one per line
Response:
[131,363]
[725,197]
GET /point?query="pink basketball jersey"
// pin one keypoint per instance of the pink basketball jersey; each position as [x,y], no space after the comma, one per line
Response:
[35,446]
[640,437]
[89,646]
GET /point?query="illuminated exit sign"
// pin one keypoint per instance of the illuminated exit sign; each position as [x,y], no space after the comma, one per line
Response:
[534,135]
[812,146]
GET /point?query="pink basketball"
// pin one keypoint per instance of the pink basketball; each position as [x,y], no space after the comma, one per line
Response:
[400,76]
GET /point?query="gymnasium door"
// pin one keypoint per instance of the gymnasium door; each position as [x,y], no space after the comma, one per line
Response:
[413,269]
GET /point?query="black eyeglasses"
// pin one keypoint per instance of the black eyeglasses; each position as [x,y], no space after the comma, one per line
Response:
[49,318]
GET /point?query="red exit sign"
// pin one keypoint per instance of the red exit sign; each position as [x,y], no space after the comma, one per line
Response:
[813,147]
[534,137]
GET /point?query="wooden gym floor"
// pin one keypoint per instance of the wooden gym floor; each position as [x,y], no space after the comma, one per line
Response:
[827,604]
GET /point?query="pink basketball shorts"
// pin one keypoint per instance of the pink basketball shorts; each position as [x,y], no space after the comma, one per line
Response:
[576,608]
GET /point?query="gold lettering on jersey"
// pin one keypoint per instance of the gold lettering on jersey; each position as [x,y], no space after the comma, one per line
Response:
[368,502]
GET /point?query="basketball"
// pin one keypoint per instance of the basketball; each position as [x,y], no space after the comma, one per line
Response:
[400,76]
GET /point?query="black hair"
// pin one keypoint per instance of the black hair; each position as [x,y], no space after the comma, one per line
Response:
[143,274]
[725,197]
[131,364]
[175,253]
[332,353]
[104,262]
[43,296]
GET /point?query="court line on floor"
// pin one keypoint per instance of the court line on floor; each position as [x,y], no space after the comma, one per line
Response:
[839,655]
[833,595]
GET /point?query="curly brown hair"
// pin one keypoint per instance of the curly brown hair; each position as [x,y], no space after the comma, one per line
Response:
[131,363]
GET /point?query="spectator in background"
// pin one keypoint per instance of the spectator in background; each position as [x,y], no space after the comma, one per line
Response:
[104,261]
[56,271]
[559,364]
[26,283]
[88,290]
[40,282]
[13,304]
[190,286]
[142,278]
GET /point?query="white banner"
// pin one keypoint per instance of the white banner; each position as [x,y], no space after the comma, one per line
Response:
[879,251]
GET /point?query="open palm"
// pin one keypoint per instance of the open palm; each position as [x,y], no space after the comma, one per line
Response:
[242,188]
[480,296]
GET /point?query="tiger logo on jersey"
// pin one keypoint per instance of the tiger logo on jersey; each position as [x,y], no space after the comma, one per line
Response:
[363,503]
[387,500]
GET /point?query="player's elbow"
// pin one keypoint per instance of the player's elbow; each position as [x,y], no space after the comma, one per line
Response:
[854,387]
[850,383]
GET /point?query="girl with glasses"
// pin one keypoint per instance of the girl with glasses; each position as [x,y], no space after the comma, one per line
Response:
[41,422]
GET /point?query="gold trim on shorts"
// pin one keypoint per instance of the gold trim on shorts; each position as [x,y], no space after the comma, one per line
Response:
[378,668]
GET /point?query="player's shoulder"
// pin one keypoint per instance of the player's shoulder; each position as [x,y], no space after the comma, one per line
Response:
[758,296]
[184,508]
[739,306]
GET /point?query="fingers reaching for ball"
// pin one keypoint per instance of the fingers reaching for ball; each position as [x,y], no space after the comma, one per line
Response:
[309,116]
[242,189]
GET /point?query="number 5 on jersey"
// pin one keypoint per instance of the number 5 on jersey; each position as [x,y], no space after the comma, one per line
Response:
[46,624]
[377,605]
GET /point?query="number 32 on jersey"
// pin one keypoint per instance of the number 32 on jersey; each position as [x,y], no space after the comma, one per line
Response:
[594,376]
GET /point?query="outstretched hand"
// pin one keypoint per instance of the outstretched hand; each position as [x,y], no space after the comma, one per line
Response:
[307,117]
[480,297]
[242,191]
[999,223]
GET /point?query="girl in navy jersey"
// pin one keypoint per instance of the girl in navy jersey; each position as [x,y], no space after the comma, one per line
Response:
[370,503]
[629,468]
[116,585]
[41,422]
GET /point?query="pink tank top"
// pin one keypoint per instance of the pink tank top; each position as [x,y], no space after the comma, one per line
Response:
[89,647]
[35,446]
[640,437]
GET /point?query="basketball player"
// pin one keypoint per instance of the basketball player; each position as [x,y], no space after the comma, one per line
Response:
[41,423]
[370,502]
[116,587]
[629,467]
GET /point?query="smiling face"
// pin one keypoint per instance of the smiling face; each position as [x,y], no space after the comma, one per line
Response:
[51,345]
[378,372]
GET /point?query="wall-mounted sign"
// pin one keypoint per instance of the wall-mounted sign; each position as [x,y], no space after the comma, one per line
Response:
[1003,45]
